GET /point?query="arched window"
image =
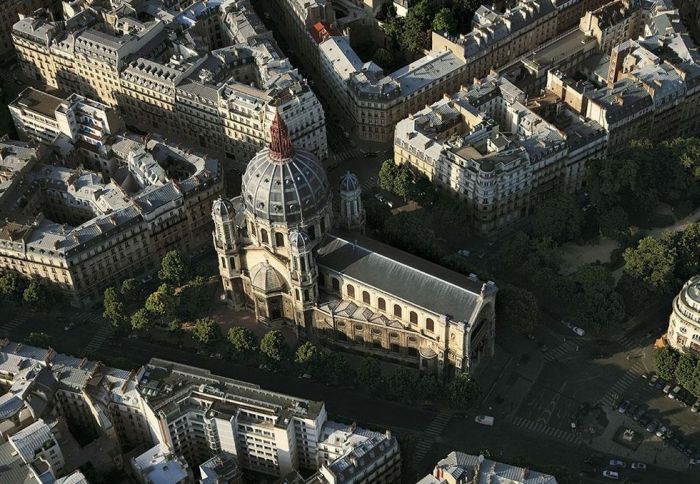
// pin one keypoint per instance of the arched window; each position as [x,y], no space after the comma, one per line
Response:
[413,317]
[296,293]
[311,230]
[381,303]
[336,284]
[351,291]
[223,261]
[263,236]
[231,263]
[397,310]
[430,325]
[279,239]
[365,297]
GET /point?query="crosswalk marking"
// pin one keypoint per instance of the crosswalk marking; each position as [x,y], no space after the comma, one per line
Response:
[563,349]
[103,334]
[11,325]
[541,428]
[622,384]
[436,428]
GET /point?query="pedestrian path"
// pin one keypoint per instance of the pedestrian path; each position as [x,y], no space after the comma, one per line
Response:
[564,349]
[10,325]
[628,342]
[617,390]
[369,184]
[435,429]
[551,432]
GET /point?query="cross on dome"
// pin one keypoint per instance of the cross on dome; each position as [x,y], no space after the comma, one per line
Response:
[280,144]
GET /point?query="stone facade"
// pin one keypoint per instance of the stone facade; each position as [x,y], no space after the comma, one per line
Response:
[684,322]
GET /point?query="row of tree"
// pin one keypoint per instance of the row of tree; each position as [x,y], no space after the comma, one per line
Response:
[33,293]
[683,368]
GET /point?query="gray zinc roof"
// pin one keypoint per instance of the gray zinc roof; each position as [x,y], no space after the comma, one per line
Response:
[403,275]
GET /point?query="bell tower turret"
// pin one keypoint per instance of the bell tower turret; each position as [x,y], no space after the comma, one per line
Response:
[226,243]
[352,212]
[304,279]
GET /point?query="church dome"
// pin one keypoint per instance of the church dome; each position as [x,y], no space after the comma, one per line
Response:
[223,208]
[349,182]
[284,184]
[266,278]
[299,240]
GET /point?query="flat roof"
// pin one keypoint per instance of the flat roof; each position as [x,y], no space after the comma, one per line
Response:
[38,101]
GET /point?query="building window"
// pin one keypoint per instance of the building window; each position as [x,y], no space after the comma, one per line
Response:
[381,303]
[279,239]
[351,291]
[336,284]
[263,236]
[430,325]
[365,297]
[413,317]
[397,310]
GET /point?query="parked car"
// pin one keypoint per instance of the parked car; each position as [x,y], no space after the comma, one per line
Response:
[695,407]
[644,420]
[463,252]
[611,474]
[578,331]
[695,462]
[639,413]
[653,380]
[674,393]
[690,451]
[668,388]
[617,463]
[624,406]
[660,383]
[484,420]
[661,430]
[633,409]
[638,466]
[652,426]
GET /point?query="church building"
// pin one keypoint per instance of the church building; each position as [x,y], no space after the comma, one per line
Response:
[282,256]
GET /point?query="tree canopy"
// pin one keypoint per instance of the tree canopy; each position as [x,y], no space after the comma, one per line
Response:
[206,331]
[173,269]
[273,347]
[558,217]
[114,310]
[517,308]
[242,340]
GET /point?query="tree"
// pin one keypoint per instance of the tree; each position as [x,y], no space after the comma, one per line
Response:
[193,297]
[113,308]
[35,294]
[308,358]
[685,370]
[369,375]
[513,252]
[129,290]
[403,183]
[596,304]
[517,308]
[652,262]
[614,223]
[10,285]
[338,370]
[401,384]
[39,339]
[409,232]
[666,360]
[206,331]
[445,21]
[242,340]
[173,269]
[142,320]
[463,391]
[558,217]
[383,57]
[387,175]
[273,348]
[684,244]
[161,302]
[414,37]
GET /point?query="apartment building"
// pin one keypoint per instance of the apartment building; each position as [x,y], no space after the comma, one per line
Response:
[209,73]
[68,227]
[187,418]
[613,23]
[72,124]
[13,10]
[497,149]
[37,443]
[453,469]
[158,465]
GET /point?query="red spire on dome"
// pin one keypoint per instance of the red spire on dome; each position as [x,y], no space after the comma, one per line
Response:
[280,143]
